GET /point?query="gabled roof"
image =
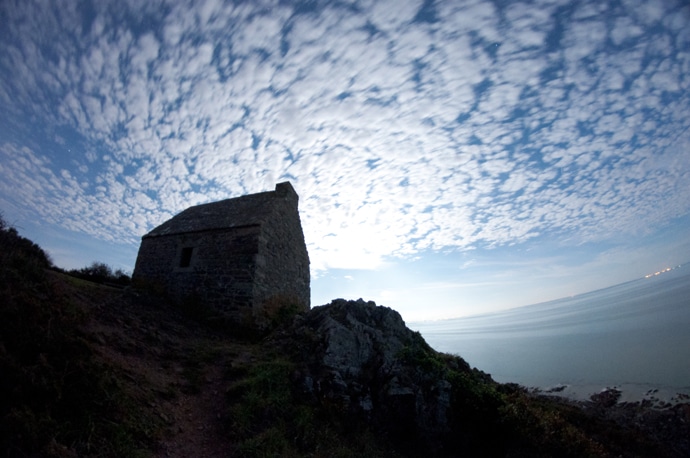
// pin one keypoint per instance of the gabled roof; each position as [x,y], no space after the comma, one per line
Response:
[249,210]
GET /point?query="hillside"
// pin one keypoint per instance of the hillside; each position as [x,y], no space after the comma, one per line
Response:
[92,370]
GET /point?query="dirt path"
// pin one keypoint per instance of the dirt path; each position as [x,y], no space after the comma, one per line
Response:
[196,421]
[176,369]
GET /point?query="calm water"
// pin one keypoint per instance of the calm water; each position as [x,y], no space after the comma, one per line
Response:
[636,333]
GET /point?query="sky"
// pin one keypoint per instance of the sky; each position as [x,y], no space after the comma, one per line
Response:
[452,157]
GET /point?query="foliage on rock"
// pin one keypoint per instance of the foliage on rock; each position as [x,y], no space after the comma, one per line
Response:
[362,359]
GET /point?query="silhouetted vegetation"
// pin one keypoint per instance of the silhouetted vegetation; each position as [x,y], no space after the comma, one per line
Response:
[102,273]
[54,394]
[21,259]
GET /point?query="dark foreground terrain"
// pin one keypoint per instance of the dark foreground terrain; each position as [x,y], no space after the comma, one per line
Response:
[93,370]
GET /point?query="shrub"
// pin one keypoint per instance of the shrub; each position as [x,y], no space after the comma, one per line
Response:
[100,272]
[22,259]
[279,310]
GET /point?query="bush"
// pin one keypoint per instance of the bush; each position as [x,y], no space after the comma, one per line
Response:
[99,272]
[21,259]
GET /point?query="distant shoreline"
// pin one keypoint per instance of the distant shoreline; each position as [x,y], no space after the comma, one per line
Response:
[658,397]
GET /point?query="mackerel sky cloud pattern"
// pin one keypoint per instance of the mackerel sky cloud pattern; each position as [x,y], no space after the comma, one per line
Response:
[405,126]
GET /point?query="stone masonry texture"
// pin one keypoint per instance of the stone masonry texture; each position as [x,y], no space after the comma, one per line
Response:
[235,255]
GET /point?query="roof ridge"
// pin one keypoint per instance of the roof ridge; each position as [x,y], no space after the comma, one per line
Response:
[233,212]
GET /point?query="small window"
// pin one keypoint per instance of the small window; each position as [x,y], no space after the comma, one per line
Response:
[186,257]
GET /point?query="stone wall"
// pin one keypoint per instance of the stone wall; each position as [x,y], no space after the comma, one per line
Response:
[236,271]
[221,271]
[283,261]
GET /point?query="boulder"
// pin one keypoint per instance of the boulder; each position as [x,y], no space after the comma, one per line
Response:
[363,357]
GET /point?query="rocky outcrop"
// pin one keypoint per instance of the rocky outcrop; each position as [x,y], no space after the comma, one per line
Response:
[363,357]
[359,363]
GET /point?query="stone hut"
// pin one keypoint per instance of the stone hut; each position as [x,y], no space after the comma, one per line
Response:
[237,255]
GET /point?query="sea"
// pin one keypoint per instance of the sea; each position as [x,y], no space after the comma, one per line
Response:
[633,336]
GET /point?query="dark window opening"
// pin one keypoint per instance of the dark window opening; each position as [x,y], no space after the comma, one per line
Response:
[186,257]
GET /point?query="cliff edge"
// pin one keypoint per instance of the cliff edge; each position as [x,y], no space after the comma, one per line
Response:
[92,370]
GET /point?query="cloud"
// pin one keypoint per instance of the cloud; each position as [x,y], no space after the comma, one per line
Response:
[404,126]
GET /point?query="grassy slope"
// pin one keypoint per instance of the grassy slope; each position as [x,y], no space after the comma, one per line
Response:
[89,370]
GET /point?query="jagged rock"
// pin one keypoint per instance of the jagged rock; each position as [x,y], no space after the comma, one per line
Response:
[364,357]
[606,398]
